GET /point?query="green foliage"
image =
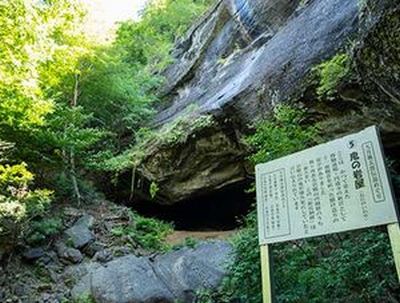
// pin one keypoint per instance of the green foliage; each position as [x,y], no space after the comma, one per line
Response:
[18,204]
[178,130]
[153,189]
[85,298]
[190,242]
[149,233]
[22,103]
[119,91]
[118,95]
[148,42]
[44,229]
[281,135]
[350,267]
[244,280]
[39,67]
[331,73]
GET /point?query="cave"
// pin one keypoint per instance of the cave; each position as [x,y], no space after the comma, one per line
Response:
[218,210]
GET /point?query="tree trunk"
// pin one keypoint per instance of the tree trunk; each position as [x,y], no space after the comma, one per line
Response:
[74,103]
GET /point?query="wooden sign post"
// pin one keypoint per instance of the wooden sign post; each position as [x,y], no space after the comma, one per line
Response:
[266,274]
[334,187]
[394,236]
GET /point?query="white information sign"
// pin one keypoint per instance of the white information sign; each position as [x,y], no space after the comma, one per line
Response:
[333,187]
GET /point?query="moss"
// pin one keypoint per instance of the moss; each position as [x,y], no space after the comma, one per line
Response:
[330,73]
[85,298]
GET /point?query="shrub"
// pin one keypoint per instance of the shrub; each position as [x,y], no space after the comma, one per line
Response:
[18,204]
[44,229]
[149,233]
[281,135]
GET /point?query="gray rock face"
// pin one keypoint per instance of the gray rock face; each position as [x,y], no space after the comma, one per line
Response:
[104,255]
[129,279]
[188,270]
[79,234]
[244,57]
[68,254]
[298,39]
[188,168]
[170,277]
[33,253]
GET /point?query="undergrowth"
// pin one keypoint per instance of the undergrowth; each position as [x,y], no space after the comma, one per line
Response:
[149,233]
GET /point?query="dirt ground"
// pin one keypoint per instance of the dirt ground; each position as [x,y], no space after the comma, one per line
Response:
[179,236]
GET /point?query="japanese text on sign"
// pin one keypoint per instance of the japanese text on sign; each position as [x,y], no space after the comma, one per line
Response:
[337,186]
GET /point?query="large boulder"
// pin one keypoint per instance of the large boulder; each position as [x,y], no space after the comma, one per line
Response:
[188,270]
[129,279]
[172,277]
[243,58]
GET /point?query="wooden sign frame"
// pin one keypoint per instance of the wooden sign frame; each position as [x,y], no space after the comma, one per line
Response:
[266,256]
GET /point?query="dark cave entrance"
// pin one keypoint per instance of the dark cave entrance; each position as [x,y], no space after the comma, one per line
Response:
[220,210]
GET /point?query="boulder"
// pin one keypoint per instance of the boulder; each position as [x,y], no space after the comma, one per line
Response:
[188,270]
[79,234]
[172,277]
[102,256]
[129,279]
[68,254]
[93,248]
[33,254]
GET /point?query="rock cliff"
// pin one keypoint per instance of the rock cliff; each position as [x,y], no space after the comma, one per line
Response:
[244,57]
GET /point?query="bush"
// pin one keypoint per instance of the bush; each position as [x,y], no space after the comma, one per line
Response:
[149,233]
[44,229]
[18,204]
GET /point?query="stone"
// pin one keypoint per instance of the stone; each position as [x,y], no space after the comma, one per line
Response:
[20,289]
[129,279]
[121,251]
[93,248]
[86,220]
[103,256]
[46,297]
[33,254]
[81,273]
[172,277]
[68,254]
[79,234]
[50,257]
[73,255]
[189,270]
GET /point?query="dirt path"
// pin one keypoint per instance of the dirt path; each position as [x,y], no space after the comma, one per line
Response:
[179,236]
